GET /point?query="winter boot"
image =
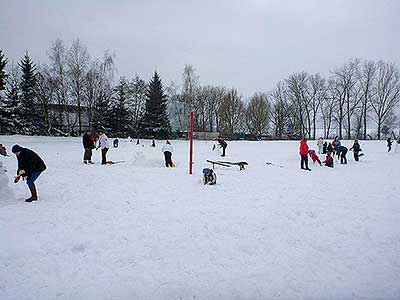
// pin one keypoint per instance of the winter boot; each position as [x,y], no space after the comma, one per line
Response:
[33,194]
[85,162]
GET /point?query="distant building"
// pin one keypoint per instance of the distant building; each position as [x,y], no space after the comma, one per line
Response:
[68,117]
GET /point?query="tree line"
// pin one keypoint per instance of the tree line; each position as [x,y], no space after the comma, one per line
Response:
[359,99]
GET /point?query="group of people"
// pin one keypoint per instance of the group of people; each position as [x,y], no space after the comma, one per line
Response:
[93,141]
[31,165]
[330,149]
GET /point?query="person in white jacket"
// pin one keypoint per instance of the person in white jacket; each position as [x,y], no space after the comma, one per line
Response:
[320,145]
[167,149]
[104,145]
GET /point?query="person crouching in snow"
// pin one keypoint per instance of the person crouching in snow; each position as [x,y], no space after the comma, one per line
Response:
[314,157]
[343,151]
[304,155]
[30,166]
[222,145]
[328,160]
[104,145]
[167,149]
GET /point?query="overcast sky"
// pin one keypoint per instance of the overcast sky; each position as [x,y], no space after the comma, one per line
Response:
[249,44]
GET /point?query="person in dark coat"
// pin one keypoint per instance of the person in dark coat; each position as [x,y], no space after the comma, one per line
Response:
[329,148]
[356,150]
[389,144]
[30,166]
[222,144]
[3,150]
[324,147]
[343,151]
[88,145]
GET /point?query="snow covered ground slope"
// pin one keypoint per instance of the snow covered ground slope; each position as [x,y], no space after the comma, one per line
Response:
[137,230]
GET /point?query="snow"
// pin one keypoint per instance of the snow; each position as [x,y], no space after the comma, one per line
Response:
[137,230]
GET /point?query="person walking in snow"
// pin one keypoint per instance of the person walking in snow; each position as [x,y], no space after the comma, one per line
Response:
[314,157]
[167,149]
[343,151]
[328,160]
[304,155]
[222,144]
[104,145]
[389,144]
[88,145]
[320,145]
[30,166]
[356,150]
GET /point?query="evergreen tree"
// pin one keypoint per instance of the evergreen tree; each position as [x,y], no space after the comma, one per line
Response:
[155,121]
[102,111]
[11,122]
[120,118]
[31,110]
[3,76]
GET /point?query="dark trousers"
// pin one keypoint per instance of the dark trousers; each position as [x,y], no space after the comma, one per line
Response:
[343,159]
[168,159]
[103,156]
[223,151]
[30,180]
[389,148]
[304,160]
[356,156]
[87,155]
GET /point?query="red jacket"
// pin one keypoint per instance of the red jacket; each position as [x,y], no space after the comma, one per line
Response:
[314,156]
[303,147]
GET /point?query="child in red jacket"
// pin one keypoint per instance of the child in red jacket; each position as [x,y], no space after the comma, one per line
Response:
[314,157]
[329,160]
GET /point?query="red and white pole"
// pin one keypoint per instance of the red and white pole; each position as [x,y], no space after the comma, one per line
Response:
[191,143]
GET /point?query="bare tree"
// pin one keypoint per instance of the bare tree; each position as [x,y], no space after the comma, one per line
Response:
[138,89]
[58,70]
[328,106]
[346,96]
[387,93]
[78,63]
[298,91]
[257,114]
[317,94]
[45,91]
[367,76]
[231,112]
[278,110]
[189,90]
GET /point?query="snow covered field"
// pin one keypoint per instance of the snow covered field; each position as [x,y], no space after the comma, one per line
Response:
[137,230]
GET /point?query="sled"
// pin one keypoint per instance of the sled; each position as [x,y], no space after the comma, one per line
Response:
[272,164]
[228,164]
[110,162]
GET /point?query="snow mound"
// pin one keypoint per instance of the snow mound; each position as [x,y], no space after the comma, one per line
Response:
[5,192]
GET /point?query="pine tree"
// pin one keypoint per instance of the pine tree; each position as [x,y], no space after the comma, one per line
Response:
[31,111]
[155,121]
[3,76]
[120,118]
